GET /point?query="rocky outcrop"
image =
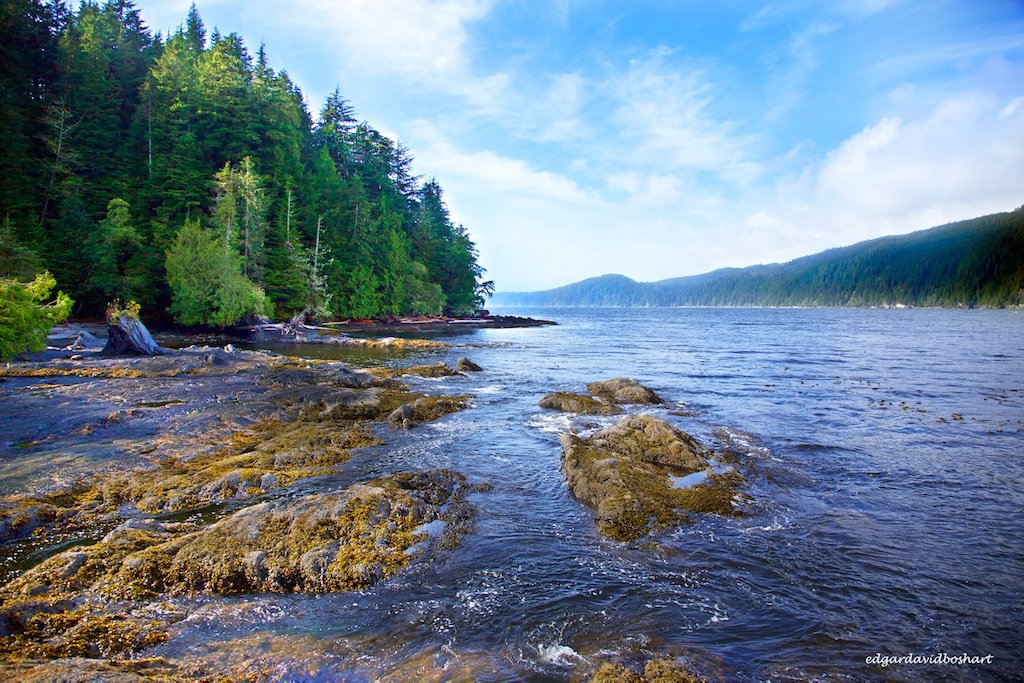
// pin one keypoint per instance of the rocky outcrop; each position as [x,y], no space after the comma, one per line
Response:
[466,365]
[624,473]
[655,671]
[434,371]
[70,605]
[425,409]
[624,390]
[605,400]
[568,402]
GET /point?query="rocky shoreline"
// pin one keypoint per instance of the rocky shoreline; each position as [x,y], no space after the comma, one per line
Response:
[131,483]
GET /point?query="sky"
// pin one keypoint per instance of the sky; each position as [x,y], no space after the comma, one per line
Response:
[575,138]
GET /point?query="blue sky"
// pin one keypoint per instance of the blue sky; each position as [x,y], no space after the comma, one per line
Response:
[658,139]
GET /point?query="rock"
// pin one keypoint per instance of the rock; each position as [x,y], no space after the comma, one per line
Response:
[434,371]
[466,365]
[401,417]
[623,472]
[656,671]
[569,402]
[646,438]
[624,390]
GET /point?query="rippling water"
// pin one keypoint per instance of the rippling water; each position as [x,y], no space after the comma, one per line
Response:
[887,485]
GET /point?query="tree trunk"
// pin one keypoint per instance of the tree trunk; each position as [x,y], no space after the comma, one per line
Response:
[128,336]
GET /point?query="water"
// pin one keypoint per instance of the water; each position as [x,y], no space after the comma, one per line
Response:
[885,451]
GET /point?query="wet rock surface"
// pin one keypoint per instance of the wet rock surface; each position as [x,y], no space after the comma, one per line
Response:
[96,448]
[466,365]
[655,671]
[605,400]
[568,402]
[72,605]
[625,473]
[624,390]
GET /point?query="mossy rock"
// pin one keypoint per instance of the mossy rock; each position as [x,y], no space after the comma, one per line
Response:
[568,402]
[624,390]
[435,371]
[624,473]
[656,671]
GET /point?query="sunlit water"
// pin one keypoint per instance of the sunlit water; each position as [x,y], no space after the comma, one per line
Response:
[887,476]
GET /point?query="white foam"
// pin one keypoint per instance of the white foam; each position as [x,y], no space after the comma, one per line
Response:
[560,655]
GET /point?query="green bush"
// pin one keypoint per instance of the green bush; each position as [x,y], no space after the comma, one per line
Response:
[207,285]
[24,318]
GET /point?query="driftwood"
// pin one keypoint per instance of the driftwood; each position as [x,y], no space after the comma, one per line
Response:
[126,335]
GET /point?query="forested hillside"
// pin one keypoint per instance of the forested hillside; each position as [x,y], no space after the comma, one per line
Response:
[185,173]
[979,262]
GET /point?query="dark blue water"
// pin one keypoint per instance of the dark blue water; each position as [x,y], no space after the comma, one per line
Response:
[886,452]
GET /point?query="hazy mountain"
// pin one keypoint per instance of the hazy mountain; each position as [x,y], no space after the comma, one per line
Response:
[978,262]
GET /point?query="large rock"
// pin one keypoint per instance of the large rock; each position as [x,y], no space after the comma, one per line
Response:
[317,543]
[624,390]
[466,365]
[569,402]
[624,473]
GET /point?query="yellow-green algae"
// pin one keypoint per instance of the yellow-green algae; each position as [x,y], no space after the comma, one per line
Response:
[623,472]
[312,433]
[655,671]
[624,390]
[436,370]
[69,605]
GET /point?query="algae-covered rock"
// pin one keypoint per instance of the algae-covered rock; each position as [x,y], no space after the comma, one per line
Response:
[73,604]
[435,371]
[425,409]
[624,390]
[656,671]
[568,402]
[623,472]
[318,543]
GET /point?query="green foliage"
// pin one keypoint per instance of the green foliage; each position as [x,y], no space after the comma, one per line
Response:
[16,260]
[366,299]
[422,297]
[24,319]
[193,128]
[115,251]
[207,285]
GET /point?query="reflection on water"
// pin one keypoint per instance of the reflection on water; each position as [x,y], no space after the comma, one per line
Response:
[887,488]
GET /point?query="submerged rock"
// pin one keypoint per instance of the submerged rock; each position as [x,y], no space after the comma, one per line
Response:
[624,390]
[568,402]
[623,472]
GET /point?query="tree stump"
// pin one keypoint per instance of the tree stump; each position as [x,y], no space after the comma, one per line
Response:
[126,335]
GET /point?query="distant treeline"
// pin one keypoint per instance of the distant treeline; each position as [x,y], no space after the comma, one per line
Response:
[978,262]
[185,173]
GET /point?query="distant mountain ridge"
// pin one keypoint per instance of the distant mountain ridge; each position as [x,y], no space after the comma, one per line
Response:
[977,262]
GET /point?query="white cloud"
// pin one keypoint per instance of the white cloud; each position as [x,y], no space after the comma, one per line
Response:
[492,172]
[960,160]
[665,119]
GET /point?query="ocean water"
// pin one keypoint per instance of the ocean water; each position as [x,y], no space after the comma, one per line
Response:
[884,453]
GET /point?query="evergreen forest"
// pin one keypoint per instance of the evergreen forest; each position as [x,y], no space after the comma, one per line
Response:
[184,173]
